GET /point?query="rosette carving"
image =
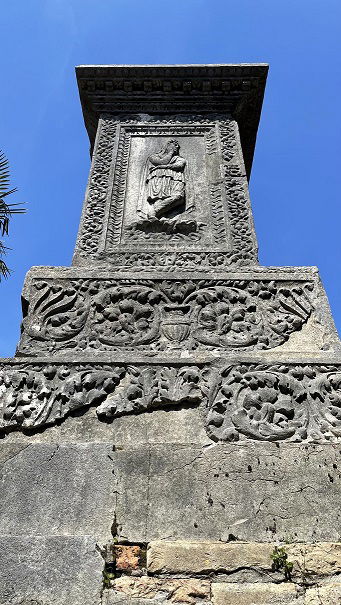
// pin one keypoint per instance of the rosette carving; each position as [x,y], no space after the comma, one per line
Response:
[127,315]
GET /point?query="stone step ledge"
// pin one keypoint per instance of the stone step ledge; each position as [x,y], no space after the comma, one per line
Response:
[195,558]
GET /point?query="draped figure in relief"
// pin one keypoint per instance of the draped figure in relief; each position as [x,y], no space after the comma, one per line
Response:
[165,184]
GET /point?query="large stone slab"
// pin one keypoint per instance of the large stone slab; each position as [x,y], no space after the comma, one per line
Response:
[254,492]
[185,425]
[50,570]
[52,489]
[207,557]
[178,590]
[318,559]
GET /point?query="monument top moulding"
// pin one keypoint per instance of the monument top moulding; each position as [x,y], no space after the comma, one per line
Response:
[235,90]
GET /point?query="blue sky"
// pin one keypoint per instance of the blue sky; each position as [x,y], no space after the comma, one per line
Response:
[295,183]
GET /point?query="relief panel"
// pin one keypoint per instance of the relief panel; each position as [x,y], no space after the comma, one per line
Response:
[288,401]
[175,195]
[129,314]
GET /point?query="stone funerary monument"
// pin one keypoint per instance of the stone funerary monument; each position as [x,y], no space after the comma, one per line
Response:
[173,412]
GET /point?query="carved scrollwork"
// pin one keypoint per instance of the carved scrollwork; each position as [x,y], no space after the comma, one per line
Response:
[56,313]
[162,313]
[92,222]
[34,395]
[244,401]
[152,387]
[326,413]
[260,404]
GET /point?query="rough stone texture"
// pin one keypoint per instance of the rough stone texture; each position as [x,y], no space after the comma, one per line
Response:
[128,558]
[50,570]
[184,425]
[206,557]
[53,489]
[111,597]
[320,559]
[255,492]
[177,590]
[255,594]
[324,595]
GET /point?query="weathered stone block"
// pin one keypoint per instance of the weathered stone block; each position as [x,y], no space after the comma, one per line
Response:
[255,492]
[177,590]
[206,557]
[322,559]
[324,595]
[50,570]
[110,597]
[52,489]
[255,594]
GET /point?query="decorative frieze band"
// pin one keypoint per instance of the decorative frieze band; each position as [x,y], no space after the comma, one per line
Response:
[123,313]
[260,401]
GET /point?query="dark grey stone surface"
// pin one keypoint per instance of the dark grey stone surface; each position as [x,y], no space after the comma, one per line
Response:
[57,489]
[166,386]
[50,570]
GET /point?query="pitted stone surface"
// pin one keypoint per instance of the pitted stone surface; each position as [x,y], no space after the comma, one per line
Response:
[206,557]
[50,570]
[176,590]
[324,595]
[255,492]
[319,559]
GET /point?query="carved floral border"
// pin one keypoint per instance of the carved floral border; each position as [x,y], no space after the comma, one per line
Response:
[295,402]
[131,314]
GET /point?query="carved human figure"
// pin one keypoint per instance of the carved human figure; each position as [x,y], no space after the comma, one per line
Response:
[166,187]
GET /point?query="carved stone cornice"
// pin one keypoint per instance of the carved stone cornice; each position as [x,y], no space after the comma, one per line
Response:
[233,90]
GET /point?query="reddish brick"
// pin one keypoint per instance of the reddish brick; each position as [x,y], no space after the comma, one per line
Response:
[127,557]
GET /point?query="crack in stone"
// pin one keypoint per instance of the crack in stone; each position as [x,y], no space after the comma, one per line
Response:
[25,447]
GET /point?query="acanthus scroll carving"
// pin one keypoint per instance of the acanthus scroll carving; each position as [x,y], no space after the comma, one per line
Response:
[34,395]
[158,315]
[264,402]
[245,401]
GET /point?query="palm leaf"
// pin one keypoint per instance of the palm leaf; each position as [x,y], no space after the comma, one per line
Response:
[6,210]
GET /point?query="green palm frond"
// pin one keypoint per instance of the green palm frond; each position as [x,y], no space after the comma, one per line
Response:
[6,210]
